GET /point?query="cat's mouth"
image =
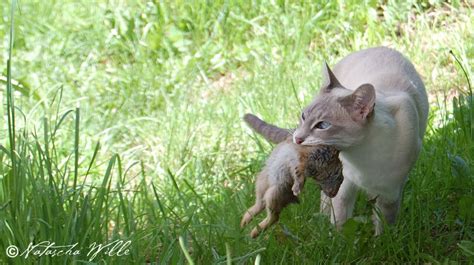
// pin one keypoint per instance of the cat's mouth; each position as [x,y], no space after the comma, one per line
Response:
[310,141]
[317,142]
[313,143]
[307,142]
[339,145]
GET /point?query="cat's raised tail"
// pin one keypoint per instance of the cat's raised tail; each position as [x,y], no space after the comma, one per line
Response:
[270,132]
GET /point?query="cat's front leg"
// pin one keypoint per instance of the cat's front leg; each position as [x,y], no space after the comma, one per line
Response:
[343,203]
[325,206]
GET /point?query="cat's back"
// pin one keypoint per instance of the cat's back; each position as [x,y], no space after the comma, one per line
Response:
[391,74]
[385,68]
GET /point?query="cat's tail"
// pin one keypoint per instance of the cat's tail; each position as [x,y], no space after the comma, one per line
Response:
[270,132]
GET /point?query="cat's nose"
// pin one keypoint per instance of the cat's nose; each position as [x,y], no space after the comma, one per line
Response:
[299,140]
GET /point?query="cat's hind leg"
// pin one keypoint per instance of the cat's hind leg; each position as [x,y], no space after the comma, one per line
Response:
[387,209]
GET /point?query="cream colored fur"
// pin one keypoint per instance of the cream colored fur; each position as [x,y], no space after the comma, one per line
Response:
[377,150]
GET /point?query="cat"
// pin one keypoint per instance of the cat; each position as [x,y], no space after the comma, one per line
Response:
[282,179]
[374,108]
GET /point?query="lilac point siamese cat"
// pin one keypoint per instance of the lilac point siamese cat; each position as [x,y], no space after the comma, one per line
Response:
[373,107]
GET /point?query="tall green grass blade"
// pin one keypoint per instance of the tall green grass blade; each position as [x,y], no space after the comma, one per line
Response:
[10,98]
[466,103]
[185,251]
[94,155]
[76,147]
[228,254]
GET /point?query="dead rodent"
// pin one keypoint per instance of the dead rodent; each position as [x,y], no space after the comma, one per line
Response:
[283,177]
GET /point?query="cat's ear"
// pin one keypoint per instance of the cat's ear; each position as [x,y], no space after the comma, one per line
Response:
[329,79]
[360,104]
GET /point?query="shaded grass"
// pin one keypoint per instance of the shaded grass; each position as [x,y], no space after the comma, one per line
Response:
[164,86]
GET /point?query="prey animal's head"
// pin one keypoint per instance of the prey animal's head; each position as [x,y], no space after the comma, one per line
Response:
[326,168]
[337,116]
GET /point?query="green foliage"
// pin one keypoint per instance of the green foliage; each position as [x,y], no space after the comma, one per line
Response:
[127,126]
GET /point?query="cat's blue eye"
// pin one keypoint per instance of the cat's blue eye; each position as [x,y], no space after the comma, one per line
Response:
[323,125]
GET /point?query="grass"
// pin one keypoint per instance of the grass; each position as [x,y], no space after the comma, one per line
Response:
[122,121]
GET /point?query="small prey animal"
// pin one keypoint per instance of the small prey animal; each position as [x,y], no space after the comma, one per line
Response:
[284,174]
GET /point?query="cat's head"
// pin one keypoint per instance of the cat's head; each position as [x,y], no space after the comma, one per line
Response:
[337,116]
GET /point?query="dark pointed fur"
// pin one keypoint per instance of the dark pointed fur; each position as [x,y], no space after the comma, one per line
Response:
[270,132]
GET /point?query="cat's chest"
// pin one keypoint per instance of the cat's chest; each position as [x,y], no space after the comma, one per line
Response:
[373,172]
[355,172]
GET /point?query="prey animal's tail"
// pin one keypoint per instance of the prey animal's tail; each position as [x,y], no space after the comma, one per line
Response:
[270,132]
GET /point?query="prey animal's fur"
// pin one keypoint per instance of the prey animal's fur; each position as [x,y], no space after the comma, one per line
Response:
[283,177]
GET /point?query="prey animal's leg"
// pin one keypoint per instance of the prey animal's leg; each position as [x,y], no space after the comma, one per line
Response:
[252,211]
[275,200]
[272,217]
[261,188]
[343,203]
[298,179]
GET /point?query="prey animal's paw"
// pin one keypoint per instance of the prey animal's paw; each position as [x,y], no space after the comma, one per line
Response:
[255,232]
[296,189]
[245,219]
